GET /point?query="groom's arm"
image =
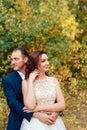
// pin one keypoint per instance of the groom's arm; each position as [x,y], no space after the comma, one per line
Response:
[12,101]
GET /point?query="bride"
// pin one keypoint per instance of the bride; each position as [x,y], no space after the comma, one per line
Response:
[40,92]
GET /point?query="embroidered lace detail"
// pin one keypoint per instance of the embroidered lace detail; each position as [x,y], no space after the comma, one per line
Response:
[45,91]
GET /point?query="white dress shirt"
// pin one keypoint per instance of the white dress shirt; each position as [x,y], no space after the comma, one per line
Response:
[22,75]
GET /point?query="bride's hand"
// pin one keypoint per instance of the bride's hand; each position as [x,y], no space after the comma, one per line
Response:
[33,75]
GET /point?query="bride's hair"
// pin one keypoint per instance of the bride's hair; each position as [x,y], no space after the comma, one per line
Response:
[33,62]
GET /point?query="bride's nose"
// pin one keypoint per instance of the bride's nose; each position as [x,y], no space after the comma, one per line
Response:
[47,62]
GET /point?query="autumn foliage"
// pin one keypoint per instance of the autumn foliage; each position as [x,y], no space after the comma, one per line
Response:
[58,27]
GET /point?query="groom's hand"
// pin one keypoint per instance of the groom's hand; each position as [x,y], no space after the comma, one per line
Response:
[25,109]
[48,118]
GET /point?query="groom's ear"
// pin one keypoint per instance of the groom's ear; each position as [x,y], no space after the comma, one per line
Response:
[25,59]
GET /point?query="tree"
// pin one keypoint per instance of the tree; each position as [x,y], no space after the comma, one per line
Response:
[49,25]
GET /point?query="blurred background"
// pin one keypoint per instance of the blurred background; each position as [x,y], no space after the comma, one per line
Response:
[58,27]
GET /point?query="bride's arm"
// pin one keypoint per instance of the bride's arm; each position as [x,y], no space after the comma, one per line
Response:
[28,91]
[28,94]
[58,106]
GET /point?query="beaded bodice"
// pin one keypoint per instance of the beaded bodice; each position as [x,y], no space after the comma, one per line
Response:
[45,91]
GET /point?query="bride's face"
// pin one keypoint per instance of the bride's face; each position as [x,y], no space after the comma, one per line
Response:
[43,64]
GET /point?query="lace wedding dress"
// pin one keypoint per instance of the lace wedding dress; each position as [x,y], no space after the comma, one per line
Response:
[45,92]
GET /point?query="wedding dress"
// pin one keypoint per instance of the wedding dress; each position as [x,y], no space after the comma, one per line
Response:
[45,93]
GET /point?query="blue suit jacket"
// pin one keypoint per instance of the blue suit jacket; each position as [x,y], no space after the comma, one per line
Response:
[13,91]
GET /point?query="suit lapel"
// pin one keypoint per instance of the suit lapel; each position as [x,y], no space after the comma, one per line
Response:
[16,82]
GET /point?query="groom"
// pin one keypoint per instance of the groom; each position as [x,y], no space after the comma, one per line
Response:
[13,91]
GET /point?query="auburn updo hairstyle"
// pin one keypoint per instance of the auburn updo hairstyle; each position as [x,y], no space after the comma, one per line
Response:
[33,62]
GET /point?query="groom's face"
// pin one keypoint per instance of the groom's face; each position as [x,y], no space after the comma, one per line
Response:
[18,60]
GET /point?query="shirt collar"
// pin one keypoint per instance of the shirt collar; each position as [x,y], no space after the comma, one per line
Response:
[21,74]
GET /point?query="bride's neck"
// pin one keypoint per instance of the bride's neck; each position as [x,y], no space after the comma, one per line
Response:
[41,76]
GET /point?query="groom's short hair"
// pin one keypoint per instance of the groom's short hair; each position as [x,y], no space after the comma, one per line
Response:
[23,51]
